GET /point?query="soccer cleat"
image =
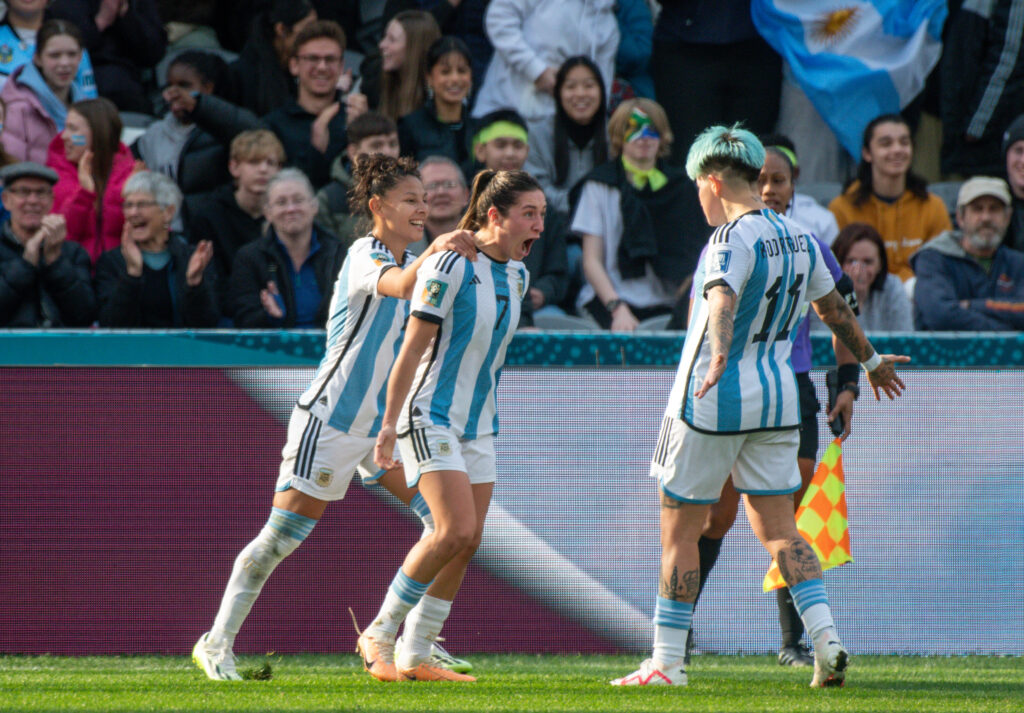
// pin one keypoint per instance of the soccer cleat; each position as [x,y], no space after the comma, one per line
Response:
[429,672]
[378,657]
[830,662]
[439,657]
[795,655]
[217,662]
[650,675]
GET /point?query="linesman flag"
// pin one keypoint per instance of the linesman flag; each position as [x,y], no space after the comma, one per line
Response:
[821,517]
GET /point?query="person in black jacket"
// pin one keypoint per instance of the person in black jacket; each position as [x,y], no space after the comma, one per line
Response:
[123,39]
[259,79]
[231,215]
[312,126]
[44,279]
[190,144]
[441,127]
[285,279]
[155,279]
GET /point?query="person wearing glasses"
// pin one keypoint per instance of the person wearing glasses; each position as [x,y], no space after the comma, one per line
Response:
[283,280]
[155,279]
[44,279]
[312,125]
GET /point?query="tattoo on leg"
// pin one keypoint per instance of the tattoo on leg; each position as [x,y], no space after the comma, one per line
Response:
[798,563]
[670,503]
[681,588]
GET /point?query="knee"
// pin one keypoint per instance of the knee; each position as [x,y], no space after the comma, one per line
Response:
[456,537]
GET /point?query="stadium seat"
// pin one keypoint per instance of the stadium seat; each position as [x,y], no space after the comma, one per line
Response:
[947,191]
[565,322]
[821,191]
[134,125]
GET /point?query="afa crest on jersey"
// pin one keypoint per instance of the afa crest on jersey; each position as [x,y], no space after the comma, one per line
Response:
[324,476]
[379,258]
[433,292]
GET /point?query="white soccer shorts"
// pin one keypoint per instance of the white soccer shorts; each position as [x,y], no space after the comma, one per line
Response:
[692,466]
[434,448]
[320,461]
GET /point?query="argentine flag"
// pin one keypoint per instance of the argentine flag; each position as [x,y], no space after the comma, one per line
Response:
[855,60]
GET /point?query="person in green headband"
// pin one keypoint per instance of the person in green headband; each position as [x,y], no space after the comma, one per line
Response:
[501,141]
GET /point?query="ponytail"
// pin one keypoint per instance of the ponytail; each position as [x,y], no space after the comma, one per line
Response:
[497,189]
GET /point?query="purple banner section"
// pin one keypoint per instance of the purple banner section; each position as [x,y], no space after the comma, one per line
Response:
[127,494]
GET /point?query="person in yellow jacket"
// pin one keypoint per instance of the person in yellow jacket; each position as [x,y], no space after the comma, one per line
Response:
[889,197]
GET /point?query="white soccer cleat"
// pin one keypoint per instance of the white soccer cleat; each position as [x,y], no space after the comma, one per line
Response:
[217,662]
[439,657]
[651,675]
[830,662]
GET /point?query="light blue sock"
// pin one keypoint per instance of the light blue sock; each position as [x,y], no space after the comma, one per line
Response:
[403,594]
[811,601]
[419,506]
[672,620]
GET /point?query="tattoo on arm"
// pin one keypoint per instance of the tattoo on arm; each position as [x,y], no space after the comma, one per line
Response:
[721,309]
[681,587]
[834,312]
[798,563]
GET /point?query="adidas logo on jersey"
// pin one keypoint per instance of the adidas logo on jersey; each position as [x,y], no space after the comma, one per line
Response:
[475,280]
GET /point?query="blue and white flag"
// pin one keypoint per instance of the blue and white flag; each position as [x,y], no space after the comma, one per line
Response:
[855,60]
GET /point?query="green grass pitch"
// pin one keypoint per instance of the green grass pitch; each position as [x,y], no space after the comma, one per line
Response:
[508,683]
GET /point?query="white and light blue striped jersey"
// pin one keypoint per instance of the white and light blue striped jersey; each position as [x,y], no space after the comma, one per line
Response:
[476,305]
[775,267]
[364,332]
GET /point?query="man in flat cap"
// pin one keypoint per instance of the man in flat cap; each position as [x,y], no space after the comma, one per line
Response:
[967,279]
[45,281]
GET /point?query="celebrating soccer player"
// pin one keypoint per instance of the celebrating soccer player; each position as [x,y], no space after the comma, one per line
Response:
[734,405]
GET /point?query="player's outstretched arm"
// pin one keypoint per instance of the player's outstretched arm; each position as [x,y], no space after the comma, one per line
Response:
[721,311]
[833,311]
[418,335]
[400,283]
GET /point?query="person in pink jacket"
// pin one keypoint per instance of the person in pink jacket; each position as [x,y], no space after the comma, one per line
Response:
[93,165]
[37,94]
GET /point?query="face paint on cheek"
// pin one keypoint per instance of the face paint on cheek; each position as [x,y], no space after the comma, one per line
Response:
[77,139]
[640,126]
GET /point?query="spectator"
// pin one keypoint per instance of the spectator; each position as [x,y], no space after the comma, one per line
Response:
[447,198]
[967,279]
[564,149]
[884,305]
[231,216]
[778,190]
[710,66]
[284,279]
[155,279]
[189,25]
[38,93]
[501,140]
[441,127]
[18,32]
[259,79]
[982,84]
[888,196]
[124,39]
[5,158]
[396,88]
[369,133]
[632,274]
[531,41]
[189,145]
[44,280]
[312,126]
[92,165]
[632,61]
[1013,151]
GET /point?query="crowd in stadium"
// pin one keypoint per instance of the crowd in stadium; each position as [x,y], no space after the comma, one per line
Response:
[144,142]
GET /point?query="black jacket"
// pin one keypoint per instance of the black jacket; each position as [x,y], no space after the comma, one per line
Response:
[256,80]
[261,261]
[422,134]
[56,295]
[548,265]
[217,217]
[122,297]
[292,124]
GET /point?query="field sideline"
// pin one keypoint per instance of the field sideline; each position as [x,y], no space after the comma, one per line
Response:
[508,683]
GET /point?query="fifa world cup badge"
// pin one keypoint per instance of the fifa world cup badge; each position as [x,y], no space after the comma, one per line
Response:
[433,292]
[324,476]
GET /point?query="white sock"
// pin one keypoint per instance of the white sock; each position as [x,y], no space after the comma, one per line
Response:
[403,594]
[422,627]
[672,621]
[283,532]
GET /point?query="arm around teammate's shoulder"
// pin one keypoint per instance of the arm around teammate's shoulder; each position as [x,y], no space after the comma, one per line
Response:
[400,283]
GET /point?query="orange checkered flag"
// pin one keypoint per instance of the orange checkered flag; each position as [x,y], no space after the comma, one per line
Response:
[821,517]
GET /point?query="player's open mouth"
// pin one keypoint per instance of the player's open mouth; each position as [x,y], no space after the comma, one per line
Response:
[527,244]
[416,224]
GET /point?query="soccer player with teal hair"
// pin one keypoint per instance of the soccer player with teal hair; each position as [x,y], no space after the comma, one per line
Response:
[734,406]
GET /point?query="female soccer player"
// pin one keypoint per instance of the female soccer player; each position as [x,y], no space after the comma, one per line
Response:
[333,427]
[463,317]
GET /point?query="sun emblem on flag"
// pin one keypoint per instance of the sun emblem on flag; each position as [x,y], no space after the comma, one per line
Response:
[835,25]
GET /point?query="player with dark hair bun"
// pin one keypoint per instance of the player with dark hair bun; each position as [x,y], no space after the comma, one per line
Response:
[333,428]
